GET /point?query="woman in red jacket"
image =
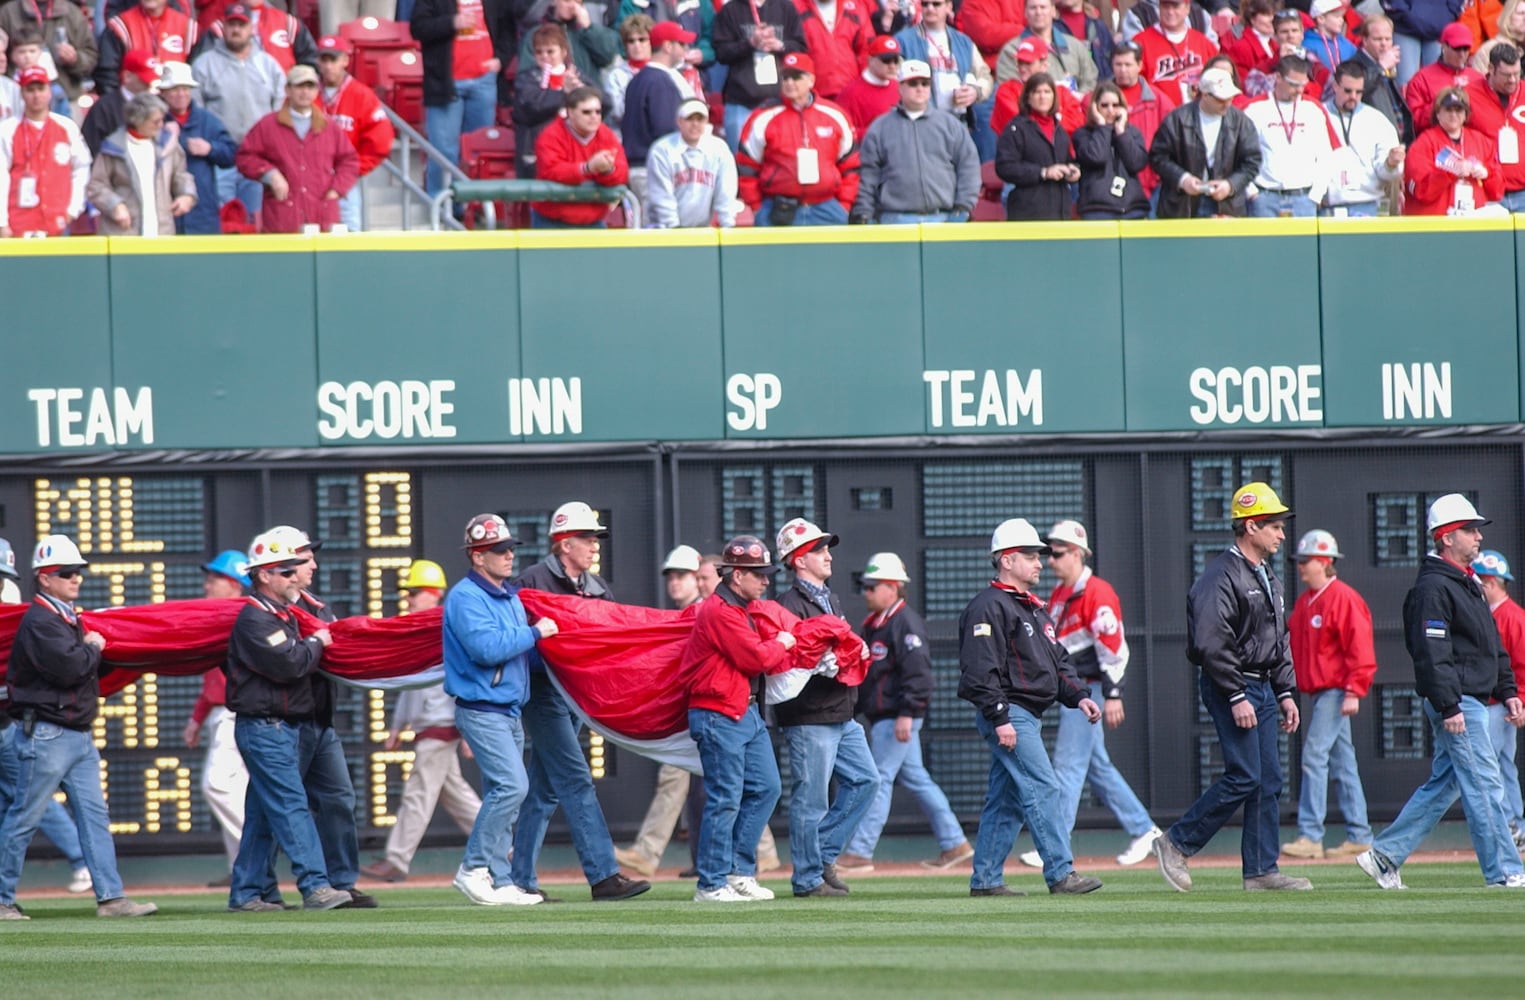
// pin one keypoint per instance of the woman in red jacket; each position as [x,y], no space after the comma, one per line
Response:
[574,149]
[1451,169]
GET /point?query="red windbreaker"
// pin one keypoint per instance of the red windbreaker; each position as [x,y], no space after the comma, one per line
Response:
[767,164]
[1510,618]
[561,157]
[724,654]
[1332,644]
[840,53]
[357,111]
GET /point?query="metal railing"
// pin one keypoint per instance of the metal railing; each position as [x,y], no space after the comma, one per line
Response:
[510,189]
[408,138]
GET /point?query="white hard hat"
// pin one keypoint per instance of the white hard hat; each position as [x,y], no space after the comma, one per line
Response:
[798,533]
[56,552]
[306,544]
[1016,533]
[1453,508]
[1071,533]
[1318,543]
[683,559]
[886,566]
[279,546]
[576,517]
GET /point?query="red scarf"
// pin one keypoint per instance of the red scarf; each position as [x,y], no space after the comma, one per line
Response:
[1045,123]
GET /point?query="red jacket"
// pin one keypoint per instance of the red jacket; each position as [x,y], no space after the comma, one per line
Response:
[1332,644]
[560,157]
[357,111]
[1430,190]
[723,654]
[1429,82]
[863,102]
[1090,624]
[324,161]
[1491,117]
[992,23]
[1250,55]
[1510,618]
[767,163]
[171,39]
[214,694]
[841,53]
[1173,68]
[56,158]
[1008,98]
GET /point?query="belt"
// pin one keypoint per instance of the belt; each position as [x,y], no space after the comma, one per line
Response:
[1259,675]
[1286,190]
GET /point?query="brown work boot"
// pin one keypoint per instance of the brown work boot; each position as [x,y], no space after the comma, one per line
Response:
[384,871]
[124,907]
[617,887]
[1172,864]
[1305,847]
[952,856]
[830,877]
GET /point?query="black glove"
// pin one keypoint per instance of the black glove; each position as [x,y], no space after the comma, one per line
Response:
[859,219]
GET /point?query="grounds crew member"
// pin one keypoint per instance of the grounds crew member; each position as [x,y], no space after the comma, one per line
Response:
[1236,622]
[558,771]
[1012,668]
[1336,659]
[725,656]
[54,681]
[1493,574]
[1459,663]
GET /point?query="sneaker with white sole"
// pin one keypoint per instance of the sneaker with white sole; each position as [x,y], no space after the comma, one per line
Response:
[80,881]
[1140,847]
[1516,881]
[724,894]
[1382,870]
[747,886]
[476,884]
[1172,863]
[12,911]
[1031,859]
[512,895]
[124,907]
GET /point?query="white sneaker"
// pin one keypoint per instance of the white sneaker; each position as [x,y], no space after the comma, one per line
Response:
[1510,882]
[512,895]
[1381,869]
[476,883]
[1031,859]
[724,894]
[747,886]
[80,881]
[1140,847]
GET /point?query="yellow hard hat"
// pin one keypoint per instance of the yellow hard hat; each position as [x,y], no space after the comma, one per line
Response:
[424,575]
[1258,500]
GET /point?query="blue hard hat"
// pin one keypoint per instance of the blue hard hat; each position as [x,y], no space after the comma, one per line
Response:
[1491,562]
[232,564]
[8,560]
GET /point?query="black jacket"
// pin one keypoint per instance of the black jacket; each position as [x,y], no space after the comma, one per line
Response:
[105,116]
[325,690]
[1234,627]
[1178,150]
[433,25]
[1453,640]
[1384,94]
[729,36]
[1021,154]
[271,668]
[1008,653]
[535,107]
[1104,155]
[53,671]
[824,700]
[550,576]
[899,680]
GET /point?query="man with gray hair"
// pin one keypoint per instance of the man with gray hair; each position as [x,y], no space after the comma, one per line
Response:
[918,163]
[240,83]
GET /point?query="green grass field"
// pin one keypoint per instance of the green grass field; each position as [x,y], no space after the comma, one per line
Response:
[912,937]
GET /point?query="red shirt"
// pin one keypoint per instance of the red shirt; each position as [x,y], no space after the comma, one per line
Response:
[991,24]
[560,156]
[1332,644]
[357,111]
[214,694]
[473,45]
[723,654]
[840,53]
[1431,190]
[1174,67]
[863,102]
[167,38]
[1426,84]
[1491,116]
[1510,618]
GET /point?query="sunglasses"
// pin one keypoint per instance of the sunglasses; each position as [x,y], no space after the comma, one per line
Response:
[502,548]
[69,574]
[920,81]
[1286,15]
[287,573]
[1129,46]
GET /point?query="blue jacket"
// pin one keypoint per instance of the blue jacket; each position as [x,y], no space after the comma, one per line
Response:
[651,111]
[913,45]
[488,643]
[1422,19]
[203,124]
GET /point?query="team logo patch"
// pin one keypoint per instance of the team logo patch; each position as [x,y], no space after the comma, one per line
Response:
[280,39]
[878,651]
[981,630]
[824,131]
[1435,629]
[1317,621]
[173,43]
[1106,622]
[559,520]
[913,642]
[275,638]
[61,153]
[1029,627]
[1048,630]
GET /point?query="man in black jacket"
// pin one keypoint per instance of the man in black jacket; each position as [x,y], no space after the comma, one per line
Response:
[751,40]
[824,739]
[1378,56]
[1459,664]
[54,680]
[1012,667]
[455,104]
[1193,182]
[1236,623]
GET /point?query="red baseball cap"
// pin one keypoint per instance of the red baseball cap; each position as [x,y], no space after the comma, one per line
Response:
[333,43]
[136,63]
[670,31]
[884,45]
[31,75]
[1457,36]
[798,62]
[1033,49]
[237,12]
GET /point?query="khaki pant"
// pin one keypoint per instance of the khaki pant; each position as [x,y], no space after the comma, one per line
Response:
[436,778]
[224,779]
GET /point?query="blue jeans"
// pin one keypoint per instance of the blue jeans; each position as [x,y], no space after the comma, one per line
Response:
[1412,54]
[1023,789]
[51,758]
[736,116]
[984,136]
[331,798]
[497,743]
[911,218]
[741,788]
[827,213]
[1080,755]
[474,106]
[55,823]
[232,184]
[538,221]
[276,812]
[1502,737]
[1513,200]
[818,826]
[1464,765]
[1360,210]
[901,762]
[1251,778]
[349,208]
[1329,753]
[558,773]
[1270,205]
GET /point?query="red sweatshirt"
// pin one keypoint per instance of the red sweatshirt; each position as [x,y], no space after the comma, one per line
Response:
[561,157]
[724,654]
[1332,643]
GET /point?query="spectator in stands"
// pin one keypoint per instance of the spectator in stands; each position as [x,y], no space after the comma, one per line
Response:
[27,50]
[656,92]
[1206,153]
[207,146]
[1256,48]
[1031,57]
[1146,106]
[1483,19]
[990,24]
[1369,158]
[10,93]
[45,168]
[590,45]
[540,92]
[105,115]
[576,149]
[1174,52]
[691,176]
[139,181]
[240,85]
[874,91]
[301,157]
[635,37]
[1146,13]
[751,41]
[1450,71]
[1069,62]
[1510,25]
[918,163]
[461,42]
[1073,19]
[358,113]
[1226,64]
[837,33]
[1296,142]
[1378,57]
[66,30]
[277,33]
[332,13]
[1498,109]
[1492,571]
[698,18]
[156,29]
[961,81]
[1452,169]
[1326,41]
[1112,156]
[1033,156]
[1418,30]
[798,164]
